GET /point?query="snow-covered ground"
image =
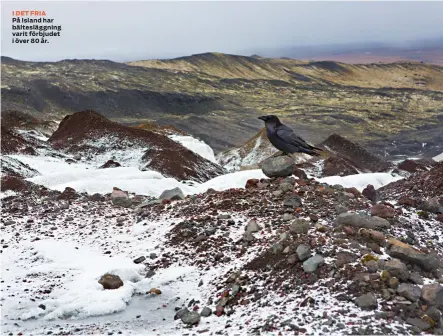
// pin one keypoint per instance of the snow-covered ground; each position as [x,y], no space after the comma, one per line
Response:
[66,258]
[360,181]
[197,146]
[438,158]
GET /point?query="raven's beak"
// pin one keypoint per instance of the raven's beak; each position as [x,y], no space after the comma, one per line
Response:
[262,118]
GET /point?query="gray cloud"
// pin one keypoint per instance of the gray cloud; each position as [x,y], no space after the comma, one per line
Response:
[138,30]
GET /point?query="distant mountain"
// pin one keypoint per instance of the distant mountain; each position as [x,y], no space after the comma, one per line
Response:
[217,97]
[424,50]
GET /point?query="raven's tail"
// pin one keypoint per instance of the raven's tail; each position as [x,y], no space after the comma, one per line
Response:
[311,152]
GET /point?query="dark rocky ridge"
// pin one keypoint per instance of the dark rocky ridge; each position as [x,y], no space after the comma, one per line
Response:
[317,98]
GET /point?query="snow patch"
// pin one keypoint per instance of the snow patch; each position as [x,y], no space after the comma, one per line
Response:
[360,181]
[197,146]
[438,158]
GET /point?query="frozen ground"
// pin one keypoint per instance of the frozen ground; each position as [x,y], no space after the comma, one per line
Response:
[54,254]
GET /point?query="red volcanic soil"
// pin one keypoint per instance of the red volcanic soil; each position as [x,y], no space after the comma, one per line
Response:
[90,132]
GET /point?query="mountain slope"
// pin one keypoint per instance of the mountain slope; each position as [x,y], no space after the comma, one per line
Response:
[217,97]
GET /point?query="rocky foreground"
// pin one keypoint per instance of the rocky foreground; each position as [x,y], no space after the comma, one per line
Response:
[283,255]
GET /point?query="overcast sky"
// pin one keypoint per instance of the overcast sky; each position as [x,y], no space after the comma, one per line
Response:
[123,31]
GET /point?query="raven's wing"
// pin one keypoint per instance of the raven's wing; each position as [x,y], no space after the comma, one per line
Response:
[289,136]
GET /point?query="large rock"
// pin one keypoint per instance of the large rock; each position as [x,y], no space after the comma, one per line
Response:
[252,226]
[397,269]
[120,198]
[311,265]
[172,194]
[344,258]
[191,318]
[405,252]
[110,281]
[383,211]
[303,252]
[279,166]
[367,301]
[433,295]
[354,154]
[337,166]
[299,226]
[409,292]
[360,221]
[370,193]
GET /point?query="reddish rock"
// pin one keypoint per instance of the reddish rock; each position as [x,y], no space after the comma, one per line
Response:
[219,310]
[370,193]
[348,230]
[336,166]
[354,155]
[68,194]
[252,183]
[421,185]
[383,211]
[440,218]
[89,132]
[14,183]
[299,173]
[110,164]
[354,191]
[412,166]
[405,200]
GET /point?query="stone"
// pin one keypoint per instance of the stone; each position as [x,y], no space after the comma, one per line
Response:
[248,236]
[252,226]
[409,292]
[397,268]
[285,187]
[155,291]
[303,252]
[419,323]
[120,198]
[311,265]
[287,217]
[180,313]
[292,259]
[277,248]
[139,260]
[416,278]
[280,166]
[433,295]
[383,211]
[292,201]
[191,318]
[206,311]
[370,193]
[339,209]
[374,235]
[432,205]
[110,281]
[405,200]
[367,301]
[172,194]
[344,258]
[299,226]
[360,221]
[405,252]
[393,282]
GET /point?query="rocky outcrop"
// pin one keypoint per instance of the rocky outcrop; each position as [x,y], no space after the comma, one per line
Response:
[348,158]
[89,133]
[420,185]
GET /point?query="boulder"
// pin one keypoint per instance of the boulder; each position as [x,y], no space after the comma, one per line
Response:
[172,194]
[110,281]
[280,166]
[405,252]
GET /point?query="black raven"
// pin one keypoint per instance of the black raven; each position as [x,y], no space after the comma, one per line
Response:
[285,139]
